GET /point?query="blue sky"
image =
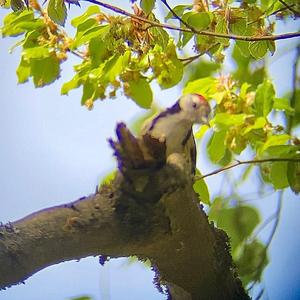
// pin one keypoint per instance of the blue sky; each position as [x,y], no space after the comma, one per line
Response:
[54,151]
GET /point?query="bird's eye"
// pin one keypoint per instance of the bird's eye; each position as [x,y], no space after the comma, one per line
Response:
[194,105]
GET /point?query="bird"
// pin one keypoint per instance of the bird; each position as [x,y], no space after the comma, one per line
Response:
[173,127]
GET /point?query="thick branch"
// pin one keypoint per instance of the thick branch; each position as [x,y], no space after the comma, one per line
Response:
[151,212]
[199,32]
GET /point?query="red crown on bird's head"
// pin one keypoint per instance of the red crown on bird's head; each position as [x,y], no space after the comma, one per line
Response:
[201,98]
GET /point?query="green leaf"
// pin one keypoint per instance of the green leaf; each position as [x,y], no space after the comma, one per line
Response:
[216,146]
[259,123]
[244,88]
[275,140]
[170,68]
[114,66]
[140,91]
[281,150]
[200,20]
[283,104]
[238,26]
[258,49]
[44,71]
[35,52]
[252,262]
[147,5]
[87,31]
[161,37]
[74,83]
[223,120]
[12,21]
[88,91]
[92,10]
[179,10]
[278,175]
[293,175]
[199,134]
[239,222]
[204,86]
[222,27]
[57,11]
[264,98]
[23,71]
[201,189]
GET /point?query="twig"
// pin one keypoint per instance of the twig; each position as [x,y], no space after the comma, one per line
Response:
[199,32]
[296,13]
[273,231]
[263,225]
[238,163]
[191,58]
[177,17]
[261,292]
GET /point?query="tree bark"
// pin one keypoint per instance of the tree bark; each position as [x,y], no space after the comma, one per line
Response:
[149,210]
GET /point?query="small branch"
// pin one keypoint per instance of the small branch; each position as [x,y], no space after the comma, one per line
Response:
[177,17]
[238,163]
[295,12]
[199,32]
[260,294]
[272,234]
[188,60]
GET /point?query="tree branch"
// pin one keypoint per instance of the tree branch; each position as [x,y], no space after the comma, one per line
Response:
[149,210]
[177,17]
[199,32]
[295,12]
[238,163]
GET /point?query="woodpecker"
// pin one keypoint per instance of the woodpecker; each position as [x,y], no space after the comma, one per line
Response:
[173,126]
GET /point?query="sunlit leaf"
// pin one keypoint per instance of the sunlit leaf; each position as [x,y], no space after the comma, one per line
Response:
[264,98]
[201,189]
[259,123]
[199,20]
[179,10]
[70,85]
[216,146]
[199,134]
[11,22]
[258,49]
[44,71]
[91,10]
[283,104]
[35,52]
[275,140]
[147,5]
[23,71]
[225,120]
[140,91]
[204,86]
